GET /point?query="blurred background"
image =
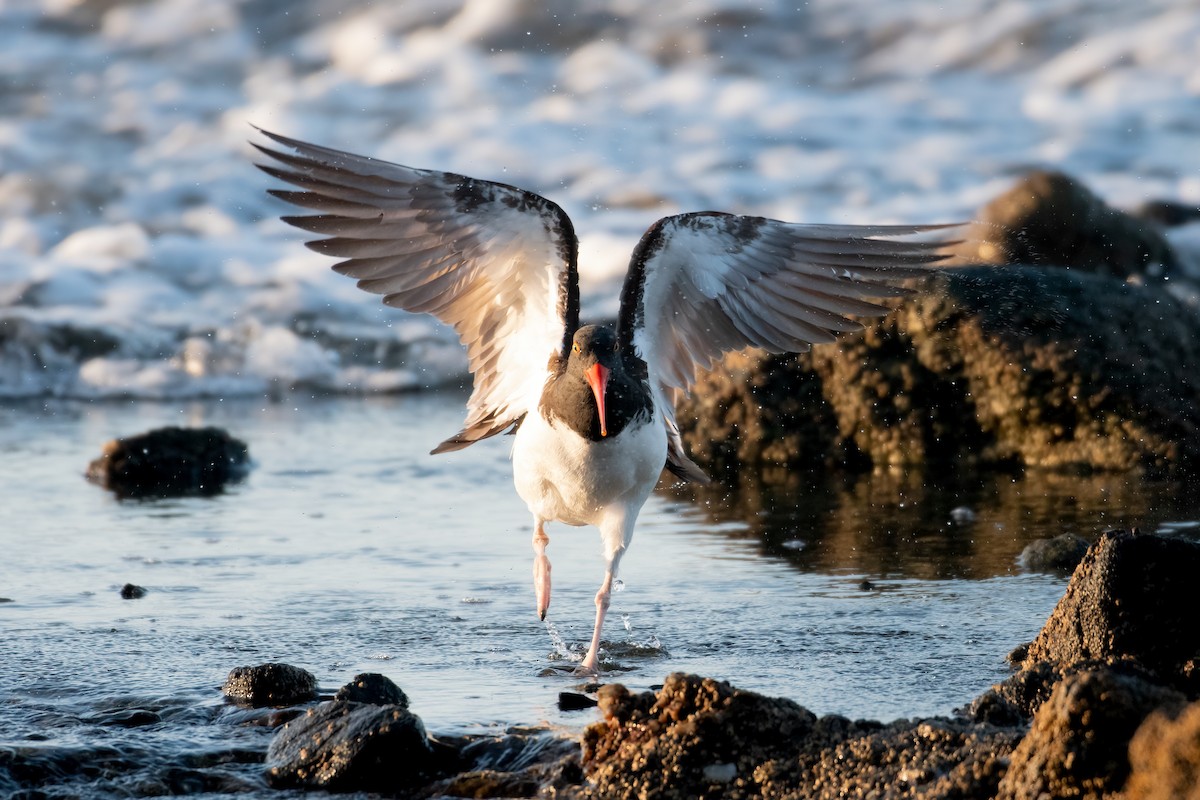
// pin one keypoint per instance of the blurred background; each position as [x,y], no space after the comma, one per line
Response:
[140,255]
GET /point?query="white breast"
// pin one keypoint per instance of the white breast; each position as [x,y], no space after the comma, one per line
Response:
[564,477]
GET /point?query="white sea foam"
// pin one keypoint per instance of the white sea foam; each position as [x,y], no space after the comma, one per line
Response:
[140,254]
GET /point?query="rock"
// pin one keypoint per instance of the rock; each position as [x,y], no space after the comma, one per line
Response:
[1133,597]
[270,685]
[132,592]
[342,746]
[517,764]
[129,718]
[1164,757]
[962,515]
[935,758]
[1049,218]
[1059,554]
[702,738]
[170,462]
[665,742]
[1014,701]
[1009,368]
[490,783]
[373,688]
[1127,610]
[515,750]
[1078,742]
[1168,213]
[574,701]
[367,740]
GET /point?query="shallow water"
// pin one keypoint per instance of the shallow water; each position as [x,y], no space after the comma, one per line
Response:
[349,549]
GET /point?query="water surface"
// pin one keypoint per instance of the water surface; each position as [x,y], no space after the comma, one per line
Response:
[349,549]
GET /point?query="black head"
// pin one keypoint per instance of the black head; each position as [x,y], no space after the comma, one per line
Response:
[593,390]
[595,344]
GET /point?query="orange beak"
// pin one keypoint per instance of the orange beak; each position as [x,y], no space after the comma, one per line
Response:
[597,378]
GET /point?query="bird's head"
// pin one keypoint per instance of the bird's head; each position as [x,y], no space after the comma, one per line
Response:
[595,353]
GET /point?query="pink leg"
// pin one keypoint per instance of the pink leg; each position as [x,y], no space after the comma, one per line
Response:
[590,661]
[541,569]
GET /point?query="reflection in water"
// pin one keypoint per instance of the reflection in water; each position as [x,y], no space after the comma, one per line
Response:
[935,526]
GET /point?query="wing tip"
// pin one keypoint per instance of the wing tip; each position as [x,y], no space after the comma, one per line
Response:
[475,433]
[688,471]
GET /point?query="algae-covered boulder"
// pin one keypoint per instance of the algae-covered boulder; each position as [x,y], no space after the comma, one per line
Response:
[988,366]
[1164,757]
[1129,609]
[1078,742]
[696,733]
[1132,598]
[1050,218]
[697,737]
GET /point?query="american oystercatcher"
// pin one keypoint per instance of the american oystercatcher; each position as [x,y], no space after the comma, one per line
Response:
[593,407]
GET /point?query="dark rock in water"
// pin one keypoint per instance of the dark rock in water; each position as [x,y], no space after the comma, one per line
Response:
[515,750]
[1014,367]
[1164,757]
[1059,554]
[131,718]
[1168,213]
[362,742]
[490,783]
[1049,218]
[1077,745]
[374,689]
[1133,597]
[132,592]
[514,765]
[170,462]
[343,746]
[270,685]
[574,701]
[702,738]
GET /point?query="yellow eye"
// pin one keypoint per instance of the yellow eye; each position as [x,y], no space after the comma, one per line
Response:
[616,347]
[575,347]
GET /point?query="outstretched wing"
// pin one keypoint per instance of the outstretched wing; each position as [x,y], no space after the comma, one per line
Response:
[495,262]
[700,285]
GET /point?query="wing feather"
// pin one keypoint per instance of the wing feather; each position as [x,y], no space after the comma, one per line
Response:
[700,285]
[497,263]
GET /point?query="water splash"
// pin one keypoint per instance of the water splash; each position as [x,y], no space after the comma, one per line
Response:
[560,649]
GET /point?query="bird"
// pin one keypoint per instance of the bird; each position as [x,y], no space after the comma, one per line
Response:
[591,407]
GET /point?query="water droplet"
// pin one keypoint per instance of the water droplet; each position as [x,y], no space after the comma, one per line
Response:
[618,585]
